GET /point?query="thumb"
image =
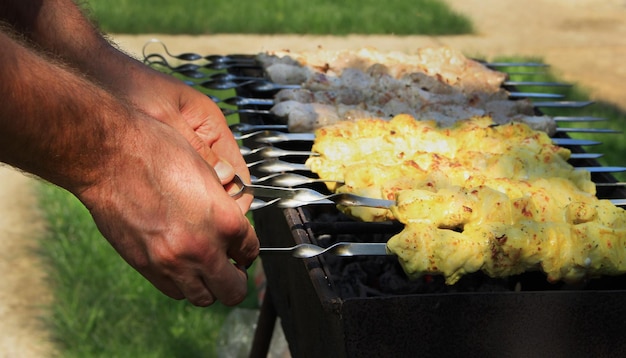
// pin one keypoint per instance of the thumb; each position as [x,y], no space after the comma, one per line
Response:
[224,170]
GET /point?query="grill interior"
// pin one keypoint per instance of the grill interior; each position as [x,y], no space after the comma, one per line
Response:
[365,306]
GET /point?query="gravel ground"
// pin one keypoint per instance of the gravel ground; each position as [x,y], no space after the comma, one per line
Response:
[582,39]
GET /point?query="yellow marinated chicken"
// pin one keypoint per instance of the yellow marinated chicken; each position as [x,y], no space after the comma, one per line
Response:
[475,197]
[567,250]
[470,148]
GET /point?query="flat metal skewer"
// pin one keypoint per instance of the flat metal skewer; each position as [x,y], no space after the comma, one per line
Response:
[586,130]
[562,104]
[535,83]
[305,251]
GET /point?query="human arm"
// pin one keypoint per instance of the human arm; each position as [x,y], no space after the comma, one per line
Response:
[152,195]
[59,27]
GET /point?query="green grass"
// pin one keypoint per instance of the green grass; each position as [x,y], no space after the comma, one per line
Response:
[399,17]
[102,307]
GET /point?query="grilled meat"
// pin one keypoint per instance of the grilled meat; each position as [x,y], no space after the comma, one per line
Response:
[475,196]
[438,84]
[444,64]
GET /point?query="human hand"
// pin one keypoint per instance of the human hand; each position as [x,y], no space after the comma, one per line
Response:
[199,261]
[178,105]
[150,182]
[194,115]
[165,211]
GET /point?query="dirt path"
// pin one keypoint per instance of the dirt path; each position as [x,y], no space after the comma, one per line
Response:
[23,290]
[584,41]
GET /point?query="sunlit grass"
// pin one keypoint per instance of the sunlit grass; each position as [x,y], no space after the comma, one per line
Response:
[102,307]
[397,17]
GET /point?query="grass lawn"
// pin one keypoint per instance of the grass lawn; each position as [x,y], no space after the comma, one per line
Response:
[103,308]
[399,17]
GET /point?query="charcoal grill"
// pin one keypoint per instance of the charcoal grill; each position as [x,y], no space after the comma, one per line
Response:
[364,307]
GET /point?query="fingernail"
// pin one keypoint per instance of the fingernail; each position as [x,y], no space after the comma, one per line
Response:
[224,170]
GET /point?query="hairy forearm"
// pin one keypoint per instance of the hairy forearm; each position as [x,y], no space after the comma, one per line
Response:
[60,28]
[54,123]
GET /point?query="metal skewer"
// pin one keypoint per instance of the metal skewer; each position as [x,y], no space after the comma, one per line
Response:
[248,128]
[228,111]
[304,251]
[244,101]
[295,197]
[562,104]
[587,130]
[273,152]
[533,83]
[515,64]
[290,180]
[277,166]
[577,119]
[535,95]
[182,56]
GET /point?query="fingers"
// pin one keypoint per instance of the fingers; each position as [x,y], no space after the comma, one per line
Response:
[219,279]
[202,259]
[215,268]
[223,168]
[228,284]
[225,172]
[245,251]
[224,282]
[201,282]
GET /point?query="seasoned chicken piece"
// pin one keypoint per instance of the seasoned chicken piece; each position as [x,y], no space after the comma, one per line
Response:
[447,115]
[322,82]
[496,243]
[475,197]
[502,109]
[457,70]
[443,63]
[287,73]
[403,139]
[344,96]
[538,123]
[563,251]
[309,111]
[436,84]
[427,83]
[267,59]
[301,95]
[301,117]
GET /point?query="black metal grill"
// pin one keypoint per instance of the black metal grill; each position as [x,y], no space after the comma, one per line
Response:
[365,306]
